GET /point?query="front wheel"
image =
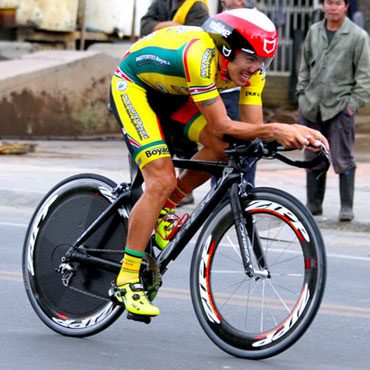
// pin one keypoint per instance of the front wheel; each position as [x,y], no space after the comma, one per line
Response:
[82,307]
[261,316]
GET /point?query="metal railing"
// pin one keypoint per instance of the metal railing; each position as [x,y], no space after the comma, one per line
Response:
[292,19]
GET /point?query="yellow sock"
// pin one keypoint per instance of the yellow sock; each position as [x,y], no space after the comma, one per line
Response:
[130,267]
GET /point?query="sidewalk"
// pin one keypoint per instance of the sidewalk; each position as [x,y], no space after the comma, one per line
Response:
[26,178]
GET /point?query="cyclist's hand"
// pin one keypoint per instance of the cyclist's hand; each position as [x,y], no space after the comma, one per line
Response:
[317,140]
[299,136]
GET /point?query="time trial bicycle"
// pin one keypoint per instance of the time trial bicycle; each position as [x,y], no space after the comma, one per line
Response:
[258,268]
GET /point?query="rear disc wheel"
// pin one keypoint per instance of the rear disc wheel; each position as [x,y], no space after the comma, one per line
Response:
[83,308]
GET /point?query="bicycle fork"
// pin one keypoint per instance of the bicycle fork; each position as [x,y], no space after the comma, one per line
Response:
[242,233]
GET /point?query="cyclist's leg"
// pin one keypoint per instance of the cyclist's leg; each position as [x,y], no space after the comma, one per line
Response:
[160,180]
[213,150]
[148,147]
[146,142]
[159,177]
[197,130]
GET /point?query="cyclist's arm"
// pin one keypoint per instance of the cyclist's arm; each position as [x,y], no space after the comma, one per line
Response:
[250,99]
[215,113]
[251,113]
[290,136]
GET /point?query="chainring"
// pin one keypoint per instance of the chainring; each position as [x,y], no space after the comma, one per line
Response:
[150,276]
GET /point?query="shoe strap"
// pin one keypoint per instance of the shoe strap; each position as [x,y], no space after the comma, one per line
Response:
[165,211]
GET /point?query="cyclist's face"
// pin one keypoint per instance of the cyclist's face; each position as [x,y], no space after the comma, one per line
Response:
[243,67]
[335,10]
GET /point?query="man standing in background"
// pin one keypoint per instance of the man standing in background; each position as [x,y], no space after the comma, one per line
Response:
[167,13]
[333,83]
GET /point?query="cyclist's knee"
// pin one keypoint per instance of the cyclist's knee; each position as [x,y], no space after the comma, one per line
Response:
[162,186]
[160,178]
[218,152]
[214,153]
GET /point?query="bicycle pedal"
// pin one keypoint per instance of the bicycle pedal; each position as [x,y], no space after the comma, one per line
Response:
[141,318]
[112,296]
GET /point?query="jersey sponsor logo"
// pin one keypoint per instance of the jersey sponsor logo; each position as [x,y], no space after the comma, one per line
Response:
[161,87]
[176,89]
[181,89]
[269,46]
[159,150]
[122,85]
[252,93]
[134,117]
[151,59]
[220,29]
[205,67]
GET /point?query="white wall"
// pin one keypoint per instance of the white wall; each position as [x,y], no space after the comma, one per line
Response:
[117,15]
[52,15]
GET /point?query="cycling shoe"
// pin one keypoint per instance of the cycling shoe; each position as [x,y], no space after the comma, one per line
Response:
[132,296]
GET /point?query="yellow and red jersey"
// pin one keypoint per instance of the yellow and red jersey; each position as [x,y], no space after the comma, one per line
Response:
[182,60]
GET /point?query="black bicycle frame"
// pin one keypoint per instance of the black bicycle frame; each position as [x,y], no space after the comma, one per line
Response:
[230,177]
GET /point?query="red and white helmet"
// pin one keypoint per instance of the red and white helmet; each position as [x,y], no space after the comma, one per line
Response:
[243,29]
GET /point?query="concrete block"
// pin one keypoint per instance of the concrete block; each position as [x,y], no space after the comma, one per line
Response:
[56,93]
[115,50]
[14,50]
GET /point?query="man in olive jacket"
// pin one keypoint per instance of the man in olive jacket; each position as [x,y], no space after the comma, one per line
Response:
[333,83]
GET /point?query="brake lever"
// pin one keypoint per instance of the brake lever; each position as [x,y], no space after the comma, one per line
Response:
[322,156]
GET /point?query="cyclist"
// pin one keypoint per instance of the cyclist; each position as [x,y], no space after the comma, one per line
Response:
[192,63]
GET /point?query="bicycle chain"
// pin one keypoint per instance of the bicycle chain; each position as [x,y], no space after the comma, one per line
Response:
[85,291]
[89,294]
[101,250]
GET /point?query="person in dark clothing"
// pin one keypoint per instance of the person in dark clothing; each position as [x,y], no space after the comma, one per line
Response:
[166,13]
[333,83]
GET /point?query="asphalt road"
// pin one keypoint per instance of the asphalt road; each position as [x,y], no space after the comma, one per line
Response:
[338,338]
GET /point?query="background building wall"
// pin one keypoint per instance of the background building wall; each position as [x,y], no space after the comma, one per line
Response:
[364,6]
